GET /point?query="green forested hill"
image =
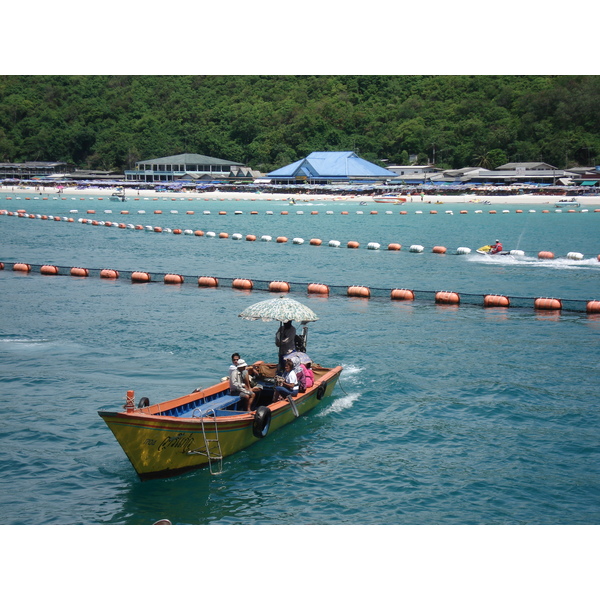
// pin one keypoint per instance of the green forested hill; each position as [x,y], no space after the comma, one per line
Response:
[268,121]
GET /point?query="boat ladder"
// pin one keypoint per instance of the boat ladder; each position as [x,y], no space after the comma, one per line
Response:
[212,446]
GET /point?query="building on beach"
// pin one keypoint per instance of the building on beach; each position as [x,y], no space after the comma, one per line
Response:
[34,170]
[196,167]
[329,167]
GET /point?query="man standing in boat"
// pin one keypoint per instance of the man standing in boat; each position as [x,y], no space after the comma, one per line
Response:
[285,340]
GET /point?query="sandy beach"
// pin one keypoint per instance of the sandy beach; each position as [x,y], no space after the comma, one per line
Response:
[105,193]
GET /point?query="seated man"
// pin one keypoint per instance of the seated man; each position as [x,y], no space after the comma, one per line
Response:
[239,384]
[286,385]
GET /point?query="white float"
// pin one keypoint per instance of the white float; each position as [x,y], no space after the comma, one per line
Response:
[334,243]
[517,253]
[210,234]
[463,250]
[416,248]
[298,241]
[575,256]
[188,232]
[373,246]
[266,238]
[236,236]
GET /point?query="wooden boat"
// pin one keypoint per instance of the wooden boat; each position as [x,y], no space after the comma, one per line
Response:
[201,428]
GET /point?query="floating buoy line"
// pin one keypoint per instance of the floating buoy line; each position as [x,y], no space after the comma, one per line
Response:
[352,244]
[439,297]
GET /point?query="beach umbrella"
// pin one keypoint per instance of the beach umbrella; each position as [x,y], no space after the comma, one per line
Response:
[281,309]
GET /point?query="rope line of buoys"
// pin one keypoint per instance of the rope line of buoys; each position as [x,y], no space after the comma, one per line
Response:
[392,246]
[440,297]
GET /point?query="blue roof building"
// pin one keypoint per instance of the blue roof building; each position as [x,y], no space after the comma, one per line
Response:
[330,167]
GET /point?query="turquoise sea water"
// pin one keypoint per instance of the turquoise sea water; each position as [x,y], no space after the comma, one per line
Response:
[443,415]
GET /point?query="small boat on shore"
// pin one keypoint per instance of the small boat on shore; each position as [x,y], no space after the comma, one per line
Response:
[201,428]
[118,196]
[568,203]
[390,199]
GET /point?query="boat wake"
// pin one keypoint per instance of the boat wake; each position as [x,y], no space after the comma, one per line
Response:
[532,261]
[340,404]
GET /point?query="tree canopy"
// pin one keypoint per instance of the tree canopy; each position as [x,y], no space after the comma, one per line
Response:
[266,122]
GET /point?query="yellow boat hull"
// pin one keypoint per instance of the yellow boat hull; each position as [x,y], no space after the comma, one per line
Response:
[158,445]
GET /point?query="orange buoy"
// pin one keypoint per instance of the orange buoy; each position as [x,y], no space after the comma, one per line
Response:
[172,278]
[44,217]
[593,306]
[108,224]
[281,240]
[158,229]
[242,284]
[122,226]
[158,212]
[546,255]
[253,212]
[223,235]
[91,212]
[199,233]
[492,212]
[189,212]
[95,223]
[518,210]
[403,212]
[177,231]
[353,244]
[547,304]
[374,212]
[250,238]
[439,250]
[359,291]
[464,212]
[33,217]
[279,286]
[79,272]
[344,212]
[318,288]
[124,212]
[285,212]
[314,212]
[222,212]
[447,298]
[1,266]
[433,212]
[494,300]
[315,242]
[394,246]
[545,211]
[49,270]
[140,277]
[22,267]
[139,227]
[205,281]
[402,294]
[571,210]
[109,274]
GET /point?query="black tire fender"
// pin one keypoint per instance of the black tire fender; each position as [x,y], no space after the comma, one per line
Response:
[143,402]
[321,390]
[262,421]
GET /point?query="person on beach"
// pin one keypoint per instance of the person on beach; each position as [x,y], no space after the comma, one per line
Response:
[285,340]
[496,248]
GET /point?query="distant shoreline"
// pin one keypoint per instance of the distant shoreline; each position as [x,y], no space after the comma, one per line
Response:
[299,199]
